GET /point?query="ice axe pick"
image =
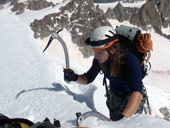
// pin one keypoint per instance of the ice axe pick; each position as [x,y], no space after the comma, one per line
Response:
[58,37]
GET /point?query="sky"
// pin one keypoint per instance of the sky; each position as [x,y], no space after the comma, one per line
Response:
[32,84]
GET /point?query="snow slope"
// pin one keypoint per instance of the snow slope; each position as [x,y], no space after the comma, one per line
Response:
[29,16]
[32,84]
[28,84]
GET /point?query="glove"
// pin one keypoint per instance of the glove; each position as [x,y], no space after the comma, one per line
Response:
[69,75]
[120,117]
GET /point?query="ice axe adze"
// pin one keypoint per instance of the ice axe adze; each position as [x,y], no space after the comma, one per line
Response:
[58,37]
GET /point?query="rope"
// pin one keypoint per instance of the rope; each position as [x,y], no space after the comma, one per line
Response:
[144,45]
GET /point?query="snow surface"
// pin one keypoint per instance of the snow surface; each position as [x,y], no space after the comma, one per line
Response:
[32,84]
[166,31]
[29,16]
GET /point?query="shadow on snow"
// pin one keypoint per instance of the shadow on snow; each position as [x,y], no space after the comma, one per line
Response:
[86,97]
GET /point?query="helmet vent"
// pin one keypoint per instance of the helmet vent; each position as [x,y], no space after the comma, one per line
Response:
[110,32]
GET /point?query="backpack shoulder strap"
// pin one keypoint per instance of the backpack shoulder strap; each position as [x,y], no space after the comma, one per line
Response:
[106,87]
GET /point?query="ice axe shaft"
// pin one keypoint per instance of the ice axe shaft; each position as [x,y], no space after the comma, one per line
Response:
[58,37]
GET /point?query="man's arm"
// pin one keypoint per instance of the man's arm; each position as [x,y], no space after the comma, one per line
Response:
[85,78]
[82,79]
[133,104]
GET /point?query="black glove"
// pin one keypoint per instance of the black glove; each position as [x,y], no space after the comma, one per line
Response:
[69,75]
[120,116]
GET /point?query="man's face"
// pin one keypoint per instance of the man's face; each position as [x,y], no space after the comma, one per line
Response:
[101,55]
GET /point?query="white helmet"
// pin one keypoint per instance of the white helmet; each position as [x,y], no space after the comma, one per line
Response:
[102,37]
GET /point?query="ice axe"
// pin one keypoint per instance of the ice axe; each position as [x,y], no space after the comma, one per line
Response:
[58,37]
[84,116]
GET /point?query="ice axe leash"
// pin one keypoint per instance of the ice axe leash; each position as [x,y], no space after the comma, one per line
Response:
[58,37]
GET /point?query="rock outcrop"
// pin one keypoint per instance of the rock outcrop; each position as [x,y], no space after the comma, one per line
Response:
[79,17]
[121,13]
[109,1]
[153,14]
[166,112]
[19,7]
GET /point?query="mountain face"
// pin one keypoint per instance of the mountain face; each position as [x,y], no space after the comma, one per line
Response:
[109,1]
[4,1]
[121,13]
[105,1]
[79,17]
[153,14]
[19,6]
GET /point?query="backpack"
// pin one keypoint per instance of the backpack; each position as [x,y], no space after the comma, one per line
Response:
[47,124]
[139,44]
[6,122]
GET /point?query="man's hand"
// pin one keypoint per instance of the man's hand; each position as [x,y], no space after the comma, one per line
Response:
[69,75]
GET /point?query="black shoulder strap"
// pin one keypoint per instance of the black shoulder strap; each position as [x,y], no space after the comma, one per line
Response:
[106,87]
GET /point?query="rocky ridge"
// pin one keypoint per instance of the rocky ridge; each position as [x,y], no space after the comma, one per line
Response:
[109,1]
[166,112]
[121,13]
[19,7]
[80,18]
[153,14]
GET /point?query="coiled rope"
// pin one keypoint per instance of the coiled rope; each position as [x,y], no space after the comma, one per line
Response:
[144,45]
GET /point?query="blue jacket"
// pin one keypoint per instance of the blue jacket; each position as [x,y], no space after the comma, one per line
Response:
[120,84]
